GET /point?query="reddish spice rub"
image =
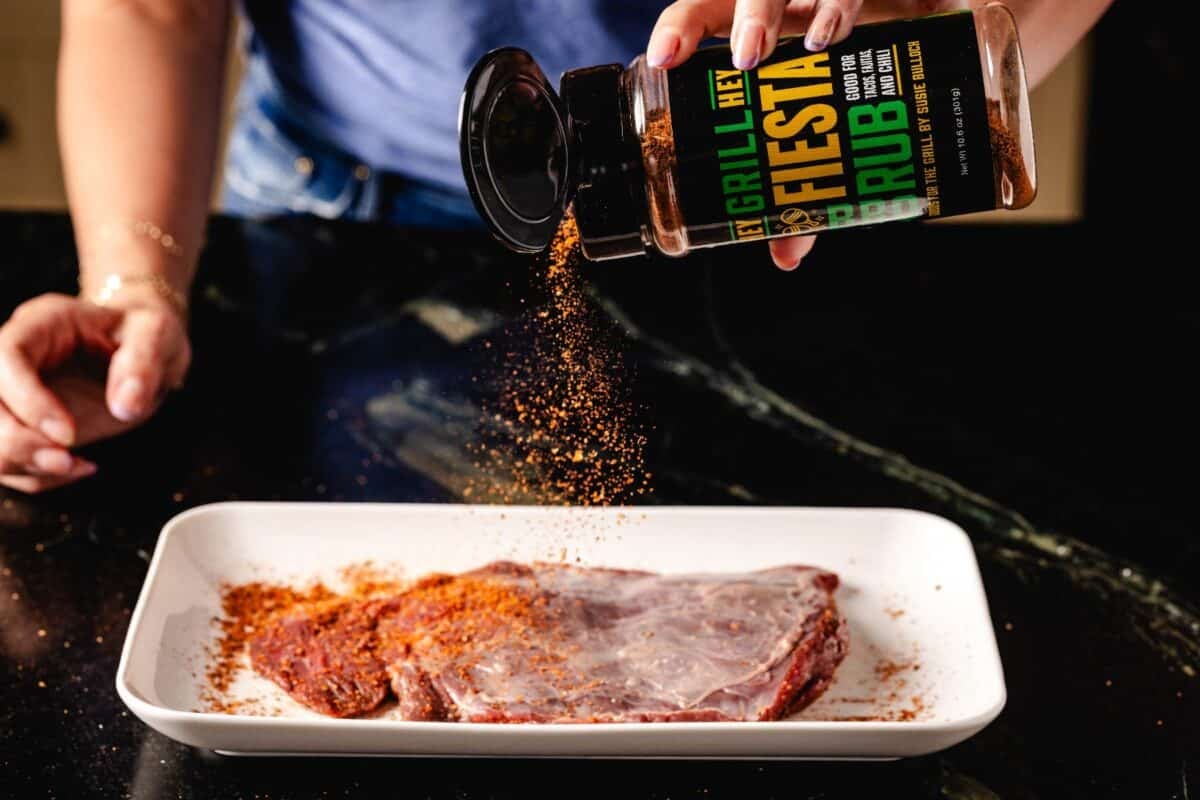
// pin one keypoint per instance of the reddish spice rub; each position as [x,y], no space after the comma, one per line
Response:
[339,657]
[898,715]
[553,643]
[887,669]
[450,615]
[326,657]
[658,154]
[1014,187]
[246,610]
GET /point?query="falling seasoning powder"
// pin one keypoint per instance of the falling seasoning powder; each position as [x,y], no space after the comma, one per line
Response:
[560,429]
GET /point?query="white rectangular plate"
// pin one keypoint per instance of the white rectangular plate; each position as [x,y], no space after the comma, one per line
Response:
[923,671]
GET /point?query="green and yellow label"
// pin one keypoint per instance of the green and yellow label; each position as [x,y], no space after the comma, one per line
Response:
[891,124]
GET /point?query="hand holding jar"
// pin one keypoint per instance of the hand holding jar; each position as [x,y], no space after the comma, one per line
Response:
[753,28]
[765,139]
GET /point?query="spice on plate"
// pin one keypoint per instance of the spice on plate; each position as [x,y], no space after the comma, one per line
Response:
[442,616]
[246,609]
[458,612]
[542,642]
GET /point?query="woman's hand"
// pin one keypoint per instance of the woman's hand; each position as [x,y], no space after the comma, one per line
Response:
[49,403]
[753,28]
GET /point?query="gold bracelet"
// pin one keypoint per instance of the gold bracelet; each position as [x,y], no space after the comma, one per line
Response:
[116,282]
[140,227]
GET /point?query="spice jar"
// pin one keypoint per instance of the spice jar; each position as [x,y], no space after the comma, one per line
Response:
[914,118]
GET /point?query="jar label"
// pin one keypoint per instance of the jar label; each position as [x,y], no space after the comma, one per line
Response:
[890,124]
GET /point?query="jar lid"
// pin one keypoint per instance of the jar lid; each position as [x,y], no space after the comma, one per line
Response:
[514,138]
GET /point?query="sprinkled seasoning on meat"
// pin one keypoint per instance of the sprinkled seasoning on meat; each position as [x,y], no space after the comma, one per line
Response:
[557,643]
[325,658]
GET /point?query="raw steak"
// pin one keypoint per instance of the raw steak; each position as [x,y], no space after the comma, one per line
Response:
[556,643]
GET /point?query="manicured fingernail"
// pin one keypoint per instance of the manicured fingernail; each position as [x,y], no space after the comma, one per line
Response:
[822,31]
[748,44]
[52,460]
[57,430]
[83,469]
[129,402]
[662,50]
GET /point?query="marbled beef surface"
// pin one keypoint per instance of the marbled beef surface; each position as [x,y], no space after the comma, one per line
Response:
[557,643]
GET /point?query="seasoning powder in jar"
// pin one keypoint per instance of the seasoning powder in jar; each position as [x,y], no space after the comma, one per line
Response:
[903,120]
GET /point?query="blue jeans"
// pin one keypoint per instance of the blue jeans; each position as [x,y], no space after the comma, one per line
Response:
[276,166]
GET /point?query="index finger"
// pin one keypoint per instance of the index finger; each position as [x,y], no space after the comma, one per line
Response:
[682,26]
[755,31]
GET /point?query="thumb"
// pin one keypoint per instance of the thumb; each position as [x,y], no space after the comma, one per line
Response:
[148,342]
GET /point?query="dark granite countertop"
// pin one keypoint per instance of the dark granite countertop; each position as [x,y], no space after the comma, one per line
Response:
[1040,402]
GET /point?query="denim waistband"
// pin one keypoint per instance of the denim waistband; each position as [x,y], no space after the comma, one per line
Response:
[278,164]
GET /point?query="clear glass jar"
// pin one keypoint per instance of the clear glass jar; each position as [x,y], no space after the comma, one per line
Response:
[648,107]
[1005,85]
[903,120]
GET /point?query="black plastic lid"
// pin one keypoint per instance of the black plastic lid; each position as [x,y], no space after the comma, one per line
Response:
[609,200]
[516,151]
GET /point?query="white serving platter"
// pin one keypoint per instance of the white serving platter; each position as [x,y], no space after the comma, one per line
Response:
[923,671]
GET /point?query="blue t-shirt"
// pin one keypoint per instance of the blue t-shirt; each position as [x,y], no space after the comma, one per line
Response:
[382,78]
